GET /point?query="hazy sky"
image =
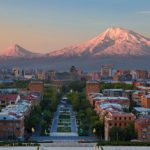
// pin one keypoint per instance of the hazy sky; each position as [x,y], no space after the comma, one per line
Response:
[44,25]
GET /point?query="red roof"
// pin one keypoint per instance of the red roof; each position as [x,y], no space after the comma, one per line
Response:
[29,97]
[8,97]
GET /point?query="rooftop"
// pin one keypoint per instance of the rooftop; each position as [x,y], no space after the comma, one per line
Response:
[110,98]
[147,96]
[92,81]
[143,87]
[114,90]
[144,119]
[8,97]
[142,109]
[121,113]
[114,105]
[5,116]
[17,110]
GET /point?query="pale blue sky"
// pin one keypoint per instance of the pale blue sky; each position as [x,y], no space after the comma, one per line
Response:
[44,25]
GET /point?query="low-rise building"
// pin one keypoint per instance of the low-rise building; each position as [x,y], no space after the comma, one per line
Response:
[141,111]
[143,88]
[36,86]
[21,109]
[33,98]
[103,109]
[117,119]
[137,96]
[7,99]
[93,95]
[113,92]
[124,101]
[145,101]
[11,127]
[92,86]
[142,127]
[41,75]
[12,120]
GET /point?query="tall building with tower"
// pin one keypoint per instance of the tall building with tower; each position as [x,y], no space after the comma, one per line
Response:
[107,70]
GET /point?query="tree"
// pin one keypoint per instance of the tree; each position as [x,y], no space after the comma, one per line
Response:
[130,132]
[77,86]
[74,99]
[43,127]
[116,86]
[33,118]
[122,134]
[47,116]
[99,128]
[116,134]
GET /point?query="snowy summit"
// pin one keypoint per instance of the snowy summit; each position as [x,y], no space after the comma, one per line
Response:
[114,41]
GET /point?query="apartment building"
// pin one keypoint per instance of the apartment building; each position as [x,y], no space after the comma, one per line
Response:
[142,127]
[117,119]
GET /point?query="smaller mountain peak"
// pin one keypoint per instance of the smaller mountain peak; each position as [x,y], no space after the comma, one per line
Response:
[16,45]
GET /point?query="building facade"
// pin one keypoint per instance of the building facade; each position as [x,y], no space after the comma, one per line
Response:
[142,127]
[117,119]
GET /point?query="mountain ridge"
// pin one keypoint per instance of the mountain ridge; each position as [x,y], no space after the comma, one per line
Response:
[114,41]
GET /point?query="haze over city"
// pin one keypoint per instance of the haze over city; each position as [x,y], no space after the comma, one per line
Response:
[46,25]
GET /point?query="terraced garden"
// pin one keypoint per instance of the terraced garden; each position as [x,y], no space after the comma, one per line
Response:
[64,120]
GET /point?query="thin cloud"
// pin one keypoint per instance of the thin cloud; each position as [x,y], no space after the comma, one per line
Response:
[144,12]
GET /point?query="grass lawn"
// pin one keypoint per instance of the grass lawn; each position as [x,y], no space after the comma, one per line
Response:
[64,129]
[64,122]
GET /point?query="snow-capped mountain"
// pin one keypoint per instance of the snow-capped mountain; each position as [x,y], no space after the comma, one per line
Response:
[17,51]
[114,41]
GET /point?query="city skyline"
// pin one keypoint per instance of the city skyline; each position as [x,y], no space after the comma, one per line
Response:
[42,26]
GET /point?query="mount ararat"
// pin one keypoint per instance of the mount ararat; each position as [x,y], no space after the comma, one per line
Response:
[121,47]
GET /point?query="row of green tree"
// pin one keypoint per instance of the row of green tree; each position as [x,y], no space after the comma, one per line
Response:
[124,86]
[122,134]
[78,86]
[87,119]
[41,115]
[15,84]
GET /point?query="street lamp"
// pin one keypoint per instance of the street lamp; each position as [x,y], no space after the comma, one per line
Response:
[94,130]
[13,129]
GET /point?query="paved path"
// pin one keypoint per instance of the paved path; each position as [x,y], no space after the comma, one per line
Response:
[126,148]
[75,147]
[64,138]
[18,148]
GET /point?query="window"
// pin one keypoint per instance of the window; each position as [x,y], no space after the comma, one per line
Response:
[110,124]
[120,124]
[115,124]
[17,125]
[115,118]
[125,118]
[119,118]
